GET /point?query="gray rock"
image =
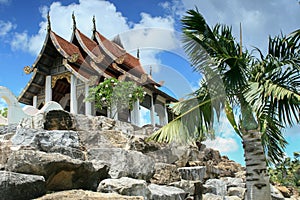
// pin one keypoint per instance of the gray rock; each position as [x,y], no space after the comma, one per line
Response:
[60,141]
[87,122]
[87,195]
[165,174]
[10,128]
[232,198]
[234,182]
[276,194]
[216,186]
[103,139]
[15,186]
[5,151]
[163,156]
[50,120]
[210,196]
[99,123]
[124,163]
[162,192]
[193,188]
[187,186]
[61,172]
[192,173]
[237,191]
[177,154]
[125,186]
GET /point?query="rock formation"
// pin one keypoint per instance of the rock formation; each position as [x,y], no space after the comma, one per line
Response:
[85,157]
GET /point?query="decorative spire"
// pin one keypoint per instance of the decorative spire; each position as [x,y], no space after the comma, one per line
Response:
[74,21]
[94,24]
[49,22]
[150,73]
[138,53]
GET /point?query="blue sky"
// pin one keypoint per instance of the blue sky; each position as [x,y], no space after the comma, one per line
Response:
[153,26]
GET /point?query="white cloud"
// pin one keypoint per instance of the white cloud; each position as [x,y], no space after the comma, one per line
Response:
[259,18]
[6,27]
[20,41]
[4,1]
[224,145]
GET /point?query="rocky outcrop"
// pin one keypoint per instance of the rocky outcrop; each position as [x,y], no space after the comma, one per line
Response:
[87,195]
[124,163]
[61,141]
[15,186]
[103,139]
[98,153]
[162,192]
[165,174]
[61,172]
[192,173]
[125,186]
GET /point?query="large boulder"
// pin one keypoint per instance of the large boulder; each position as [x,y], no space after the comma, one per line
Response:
[124,163]
[165,174]
[216,186]
[192,173]
[10,128]
[228,168]
[163,192]
[49,120]
[103,139]
[125,186]
[5,151]
[61,141]
[15,186]
[99,123]
[139,143]
[87,195]
[61,172]
[234,182]
[276,194]
[237,191]
[193,188]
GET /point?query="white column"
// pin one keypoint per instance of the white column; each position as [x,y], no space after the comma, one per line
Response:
[166,114]
[73,97]
[162,114]
[48,89]
[34,101]
[152,112]
[135,113]
[88,105]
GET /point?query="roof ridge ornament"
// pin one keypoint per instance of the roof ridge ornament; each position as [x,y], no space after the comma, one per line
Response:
[94,24]
[74,21]
[49,22]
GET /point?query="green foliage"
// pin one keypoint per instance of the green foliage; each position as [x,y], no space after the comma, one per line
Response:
[3,112]
[111,92]
[287,172]
[265,89]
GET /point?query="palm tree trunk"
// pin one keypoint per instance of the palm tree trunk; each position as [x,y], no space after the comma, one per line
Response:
[257,179]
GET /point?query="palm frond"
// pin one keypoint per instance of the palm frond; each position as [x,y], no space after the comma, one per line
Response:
[272,138]
[275,81]
[215,52]
[194,121]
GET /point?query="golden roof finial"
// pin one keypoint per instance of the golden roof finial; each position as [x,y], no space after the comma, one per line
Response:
[49,22]
[74,21]
[94,24]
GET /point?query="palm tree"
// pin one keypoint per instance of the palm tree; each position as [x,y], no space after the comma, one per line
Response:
[264,90]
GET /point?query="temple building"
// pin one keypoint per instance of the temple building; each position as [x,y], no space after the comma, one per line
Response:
[65,70]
